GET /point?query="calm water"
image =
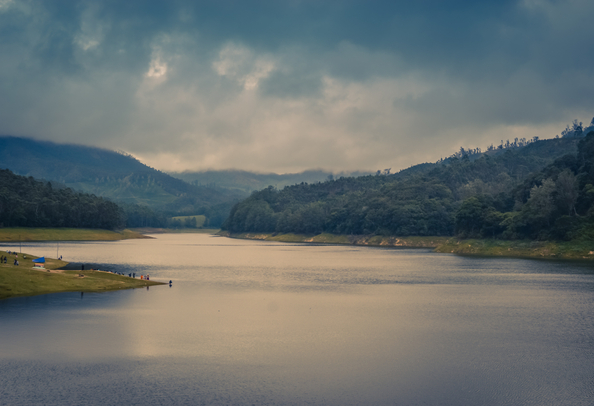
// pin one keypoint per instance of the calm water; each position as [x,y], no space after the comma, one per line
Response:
[249,322]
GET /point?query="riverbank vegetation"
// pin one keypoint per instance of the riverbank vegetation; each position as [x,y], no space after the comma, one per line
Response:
[326,238]
[23,280]
[451,245]
[579,250]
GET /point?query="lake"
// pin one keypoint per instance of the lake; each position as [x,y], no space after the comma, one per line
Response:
[252,322]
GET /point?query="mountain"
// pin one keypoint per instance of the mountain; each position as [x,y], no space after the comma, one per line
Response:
[247,182]
[116,176]
[423,200]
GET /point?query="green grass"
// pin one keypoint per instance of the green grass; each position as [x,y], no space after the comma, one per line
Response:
[23,280]
[521,248]
[65,234]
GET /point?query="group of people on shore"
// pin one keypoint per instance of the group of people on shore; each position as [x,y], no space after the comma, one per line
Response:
[4,259]
[131,275]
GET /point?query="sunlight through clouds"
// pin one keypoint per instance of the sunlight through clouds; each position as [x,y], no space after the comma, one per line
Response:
[157,69]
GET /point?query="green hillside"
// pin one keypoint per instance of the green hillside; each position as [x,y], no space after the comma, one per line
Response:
[26,202]
[118,177]
[494,188]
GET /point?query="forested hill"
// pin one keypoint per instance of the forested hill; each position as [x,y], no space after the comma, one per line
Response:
[26,202]
[113,175]
[427,200]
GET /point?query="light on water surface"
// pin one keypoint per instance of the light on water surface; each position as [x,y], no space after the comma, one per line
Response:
[249,322]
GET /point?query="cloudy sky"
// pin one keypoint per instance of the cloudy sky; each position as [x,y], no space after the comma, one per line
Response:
[289,85]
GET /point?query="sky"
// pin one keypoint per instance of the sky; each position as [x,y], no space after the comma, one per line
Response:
[285,86]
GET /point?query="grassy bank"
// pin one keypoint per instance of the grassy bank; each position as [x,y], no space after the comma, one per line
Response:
[23,280]
[519,249]
[325,238]
[65,234]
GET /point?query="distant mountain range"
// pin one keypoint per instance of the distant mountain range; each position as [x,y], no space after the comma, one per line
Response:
[125,180]
[247,182]
[149,196]
[116,176]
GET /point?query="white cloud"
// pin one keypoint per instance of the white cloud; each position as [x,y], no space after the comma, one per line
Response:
[157,69]
[243,65]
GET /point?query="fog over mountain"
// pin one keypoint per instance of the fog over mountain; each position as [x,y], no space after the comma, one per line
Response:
[288,86]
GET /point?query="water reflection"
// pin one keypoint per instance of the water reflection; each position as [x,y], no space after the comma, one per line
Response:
[249,322]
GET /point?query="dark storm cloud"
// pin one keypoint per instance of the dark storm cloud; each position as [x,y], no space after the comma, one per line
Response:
[288,85]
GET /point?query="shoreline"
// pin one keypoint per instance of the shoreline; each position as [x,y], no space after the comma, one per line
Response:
[558,250]
[25,234]
[153,230]
[23,280]
[343,239]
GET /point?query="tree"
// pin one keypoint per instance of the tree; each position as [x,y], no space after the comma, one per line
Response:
[540,204]
[566,187]
[577,128]
[471,215]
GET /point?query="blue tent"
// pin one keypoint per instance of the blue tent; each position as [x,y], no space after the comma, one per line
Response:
[40,260]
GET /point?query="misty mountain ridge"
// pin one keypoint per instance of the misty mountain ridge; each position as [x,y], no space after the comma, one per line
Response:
[248,182]
[122,178]
[114,175]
